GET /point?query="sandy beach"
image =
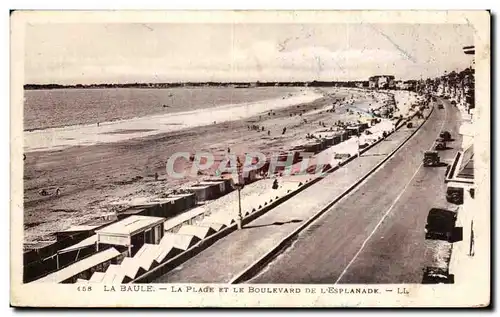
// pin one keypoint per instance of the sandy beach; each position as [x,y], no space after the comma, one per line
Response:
[116,131]
[114,167]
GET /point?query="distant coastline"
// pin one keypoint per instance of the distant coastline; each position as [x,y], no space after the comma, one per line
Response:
[200,84]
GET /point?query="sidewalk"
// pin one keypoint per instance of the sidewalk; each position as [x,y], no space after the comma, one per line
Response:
[229,256]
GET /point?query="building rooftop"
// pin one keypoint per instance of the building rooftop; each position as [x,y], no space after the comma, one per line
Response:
[131,225]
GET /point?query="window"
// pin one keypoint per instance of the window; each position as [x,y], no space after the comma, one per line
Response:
[157,234]
[148,236]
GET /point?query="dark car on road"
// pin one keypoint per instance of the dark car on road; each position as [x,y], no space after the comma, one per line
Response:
[440,106]
[440,224]
[445,135]
[437,275]
[455,195]
[431,158]
[440,145]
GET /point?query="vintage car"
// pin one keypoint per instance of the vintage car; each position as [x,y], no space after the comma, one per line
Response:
[440,145]
[455,195]
[437,275]
[440,224]
[445,135]
[431,158]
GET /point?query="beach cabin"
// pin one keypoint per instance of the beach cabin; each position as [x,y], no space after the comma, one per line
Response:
[212,189]
[200,232]
[188,217]
[40,261]
[160,207]
[345,135]
[225,184]
[179,241]
[76,233]
[131,233]
[354,130]
[199,191]
[168,250]
[132,268]
[84,268]
[180,203]
[363,126]
[146,256]
[132,211]
[115,275]
[337,139]
[76,252]
[216,226]
[312,147]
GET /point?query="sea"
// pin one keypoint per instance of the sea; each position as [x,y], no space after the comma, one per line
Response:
[66,107]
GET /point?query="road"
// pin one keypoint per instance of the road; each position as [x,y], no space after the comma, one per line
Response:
[226,258]
[375,234]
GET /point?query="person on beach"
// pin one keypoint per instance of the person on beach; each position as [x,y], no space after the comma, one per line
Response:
[275,183]
[156,176]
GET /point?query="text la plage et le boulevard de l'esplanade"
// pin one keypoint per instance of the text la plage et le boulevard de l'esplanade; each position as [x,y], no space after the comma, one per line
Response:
[250,289]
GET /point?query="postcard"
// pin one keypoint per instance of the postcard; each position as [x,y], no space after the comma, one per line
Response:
[250,159]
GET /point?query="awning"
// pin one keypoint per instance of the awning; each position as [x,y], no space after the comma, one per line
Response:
[462,168]
[92,240]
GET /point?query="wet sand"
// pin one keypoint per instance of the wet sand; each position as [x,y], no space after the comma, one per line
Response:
[117,131]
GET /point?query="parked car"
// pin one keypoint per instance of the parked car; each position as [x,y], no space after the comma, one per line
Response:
[455,195]
[440,145]
[445,135]
[437,275]
[431,158]
[440,106]
[440,224]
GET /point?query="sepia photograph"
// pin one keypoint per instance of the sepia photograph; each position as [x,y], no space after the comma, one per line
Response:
[250,159]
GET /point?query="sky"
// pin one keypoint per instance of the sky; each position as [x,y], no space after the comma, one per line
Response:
[87,53]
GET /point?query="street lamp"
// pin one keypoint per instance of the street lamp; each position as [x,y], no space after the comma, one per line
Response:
[358,146]
[240,183]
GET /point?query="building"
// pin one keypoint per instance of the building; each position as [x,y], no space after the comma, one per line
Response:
[402,85]
[131,233]
[381,82]
[466,180]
